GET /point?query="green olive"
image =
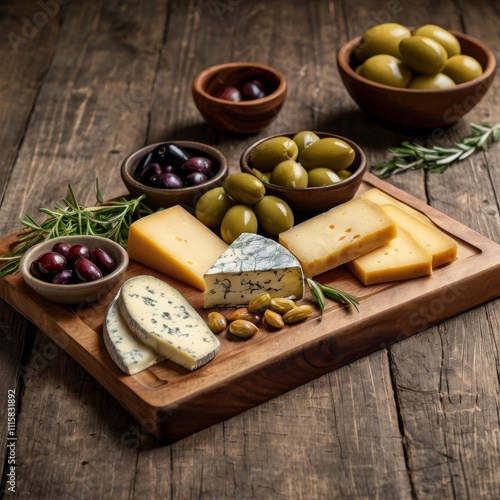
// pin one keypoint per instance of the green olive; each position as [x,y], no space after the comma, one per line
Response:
[437,81]
[344,174]
[423,55]
[304,139]
[441,36]
[212,207]
[274,214]
[381,39]
[238,219]
[462,69]
[322,177]
[290,174]
[244,188]
[260,175]
[387,70]
[268,154]
[330,152]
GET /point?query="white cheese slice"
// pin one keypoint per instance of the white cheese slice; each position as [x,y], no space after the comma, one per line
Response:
[163,319]
[251,265]
[129,353]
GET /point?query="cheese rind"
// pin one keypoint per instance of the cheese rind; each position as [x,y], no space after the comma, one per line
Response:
[442,248]
[399,259]
[176,243]
[129,353]
[338,236]
[251,265]
[163,319]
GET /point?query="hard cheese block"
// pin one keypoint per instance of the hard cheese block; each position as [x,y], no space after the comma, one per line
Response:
[163,319]
[251,265]
[175,243]
[399,259]
[338,236]
[442,248]
[130,354]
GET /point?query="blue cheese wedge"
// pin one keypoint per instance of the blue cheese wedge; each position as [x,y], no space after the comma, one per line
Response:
[129,353]
[163,319]
[251,265]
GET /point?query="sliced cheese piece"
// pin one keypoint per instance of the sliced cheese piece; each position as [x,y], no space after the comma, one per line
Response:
[399,259]
[176,243]
[338,236]
[442,248]
[381,198]
[129,353]
[163,319]
[251,265]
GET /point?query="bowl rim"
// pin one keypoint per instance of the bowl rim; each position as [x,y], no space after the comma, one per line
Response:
[345,52]
[203,75]
[204,148]
[357,175]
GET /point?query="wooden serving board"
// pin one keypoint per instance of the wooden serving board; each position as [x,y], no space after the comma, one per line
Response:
[172,403]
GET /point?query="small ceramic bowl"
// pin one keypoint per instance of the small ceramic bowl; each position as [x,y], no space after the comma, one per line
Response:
[164,198]
[81,292]
[315,200]
[244,117]
[418,109]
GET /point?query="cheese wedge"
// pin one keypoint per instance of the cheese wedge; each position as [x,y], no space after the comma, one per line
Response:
[163,319]
[442,248]
[338,236]
[176,243]
[129,353]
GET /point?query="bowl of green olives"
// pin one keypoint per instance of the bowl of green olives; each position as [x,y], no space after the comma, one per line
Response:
[419,79]
[173,172]
[238,97]
[311,171]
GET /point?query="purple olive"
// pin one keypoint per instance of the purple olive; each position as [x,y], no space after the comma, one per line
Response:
[62,249]
[229,94]
[169,181]
[86,270]
[253,89]
[77,251]
[167,169]
[36,272]
[102,260]
[198,164]
[195,178]
[63,278]
[51,263]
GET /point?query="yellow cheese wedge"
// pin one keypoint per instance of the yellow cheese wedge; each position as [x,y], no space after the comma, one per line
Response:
[399,259]
[176,243]
[338,236]
[442,248]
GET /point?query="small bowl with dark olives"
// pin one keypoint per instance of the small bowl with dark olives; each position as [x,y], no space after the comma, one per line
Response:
[173,172]
[74,269]
[420,79]
[312,171]
[238,97]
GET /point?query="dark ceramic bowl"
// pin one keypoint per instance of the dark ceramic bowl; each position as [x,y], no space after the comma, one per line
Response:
[244,117]
[418,109]
[314,200]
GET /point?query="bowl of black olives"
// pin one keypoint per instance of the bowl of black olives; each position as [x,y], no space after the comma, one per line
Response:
[74,269]
[173,173]
[238,97]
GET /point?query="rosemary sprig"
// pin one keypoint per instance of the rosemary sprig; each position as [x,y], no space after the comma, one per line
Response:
[111,219]
[319,292]
[412,156]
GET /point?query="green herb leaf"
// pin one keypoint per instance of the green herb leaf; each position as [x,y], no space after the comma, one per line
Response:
[317,293]
[322,291]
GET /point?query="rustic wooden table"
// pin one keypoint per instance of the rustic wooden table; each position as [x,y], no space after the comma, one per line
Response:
[84,84]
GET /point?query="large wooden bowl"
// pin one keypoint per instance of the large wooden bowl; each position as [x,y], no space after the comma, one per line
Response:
[418,109]
[244,117]
[314,200]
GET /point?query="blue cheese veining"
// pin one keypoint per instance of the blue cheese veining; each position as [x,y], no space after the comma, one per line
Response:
[251,265]
[163,319]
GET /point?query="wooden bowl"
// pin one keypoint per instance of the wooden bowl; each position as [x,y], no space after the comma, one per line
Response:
[81,292]
[187,196]
[315,200]
[244,117]
[418,109]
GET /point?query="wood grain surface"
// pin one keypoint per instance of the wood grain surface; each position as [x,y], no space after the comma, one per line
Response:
[97,80]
